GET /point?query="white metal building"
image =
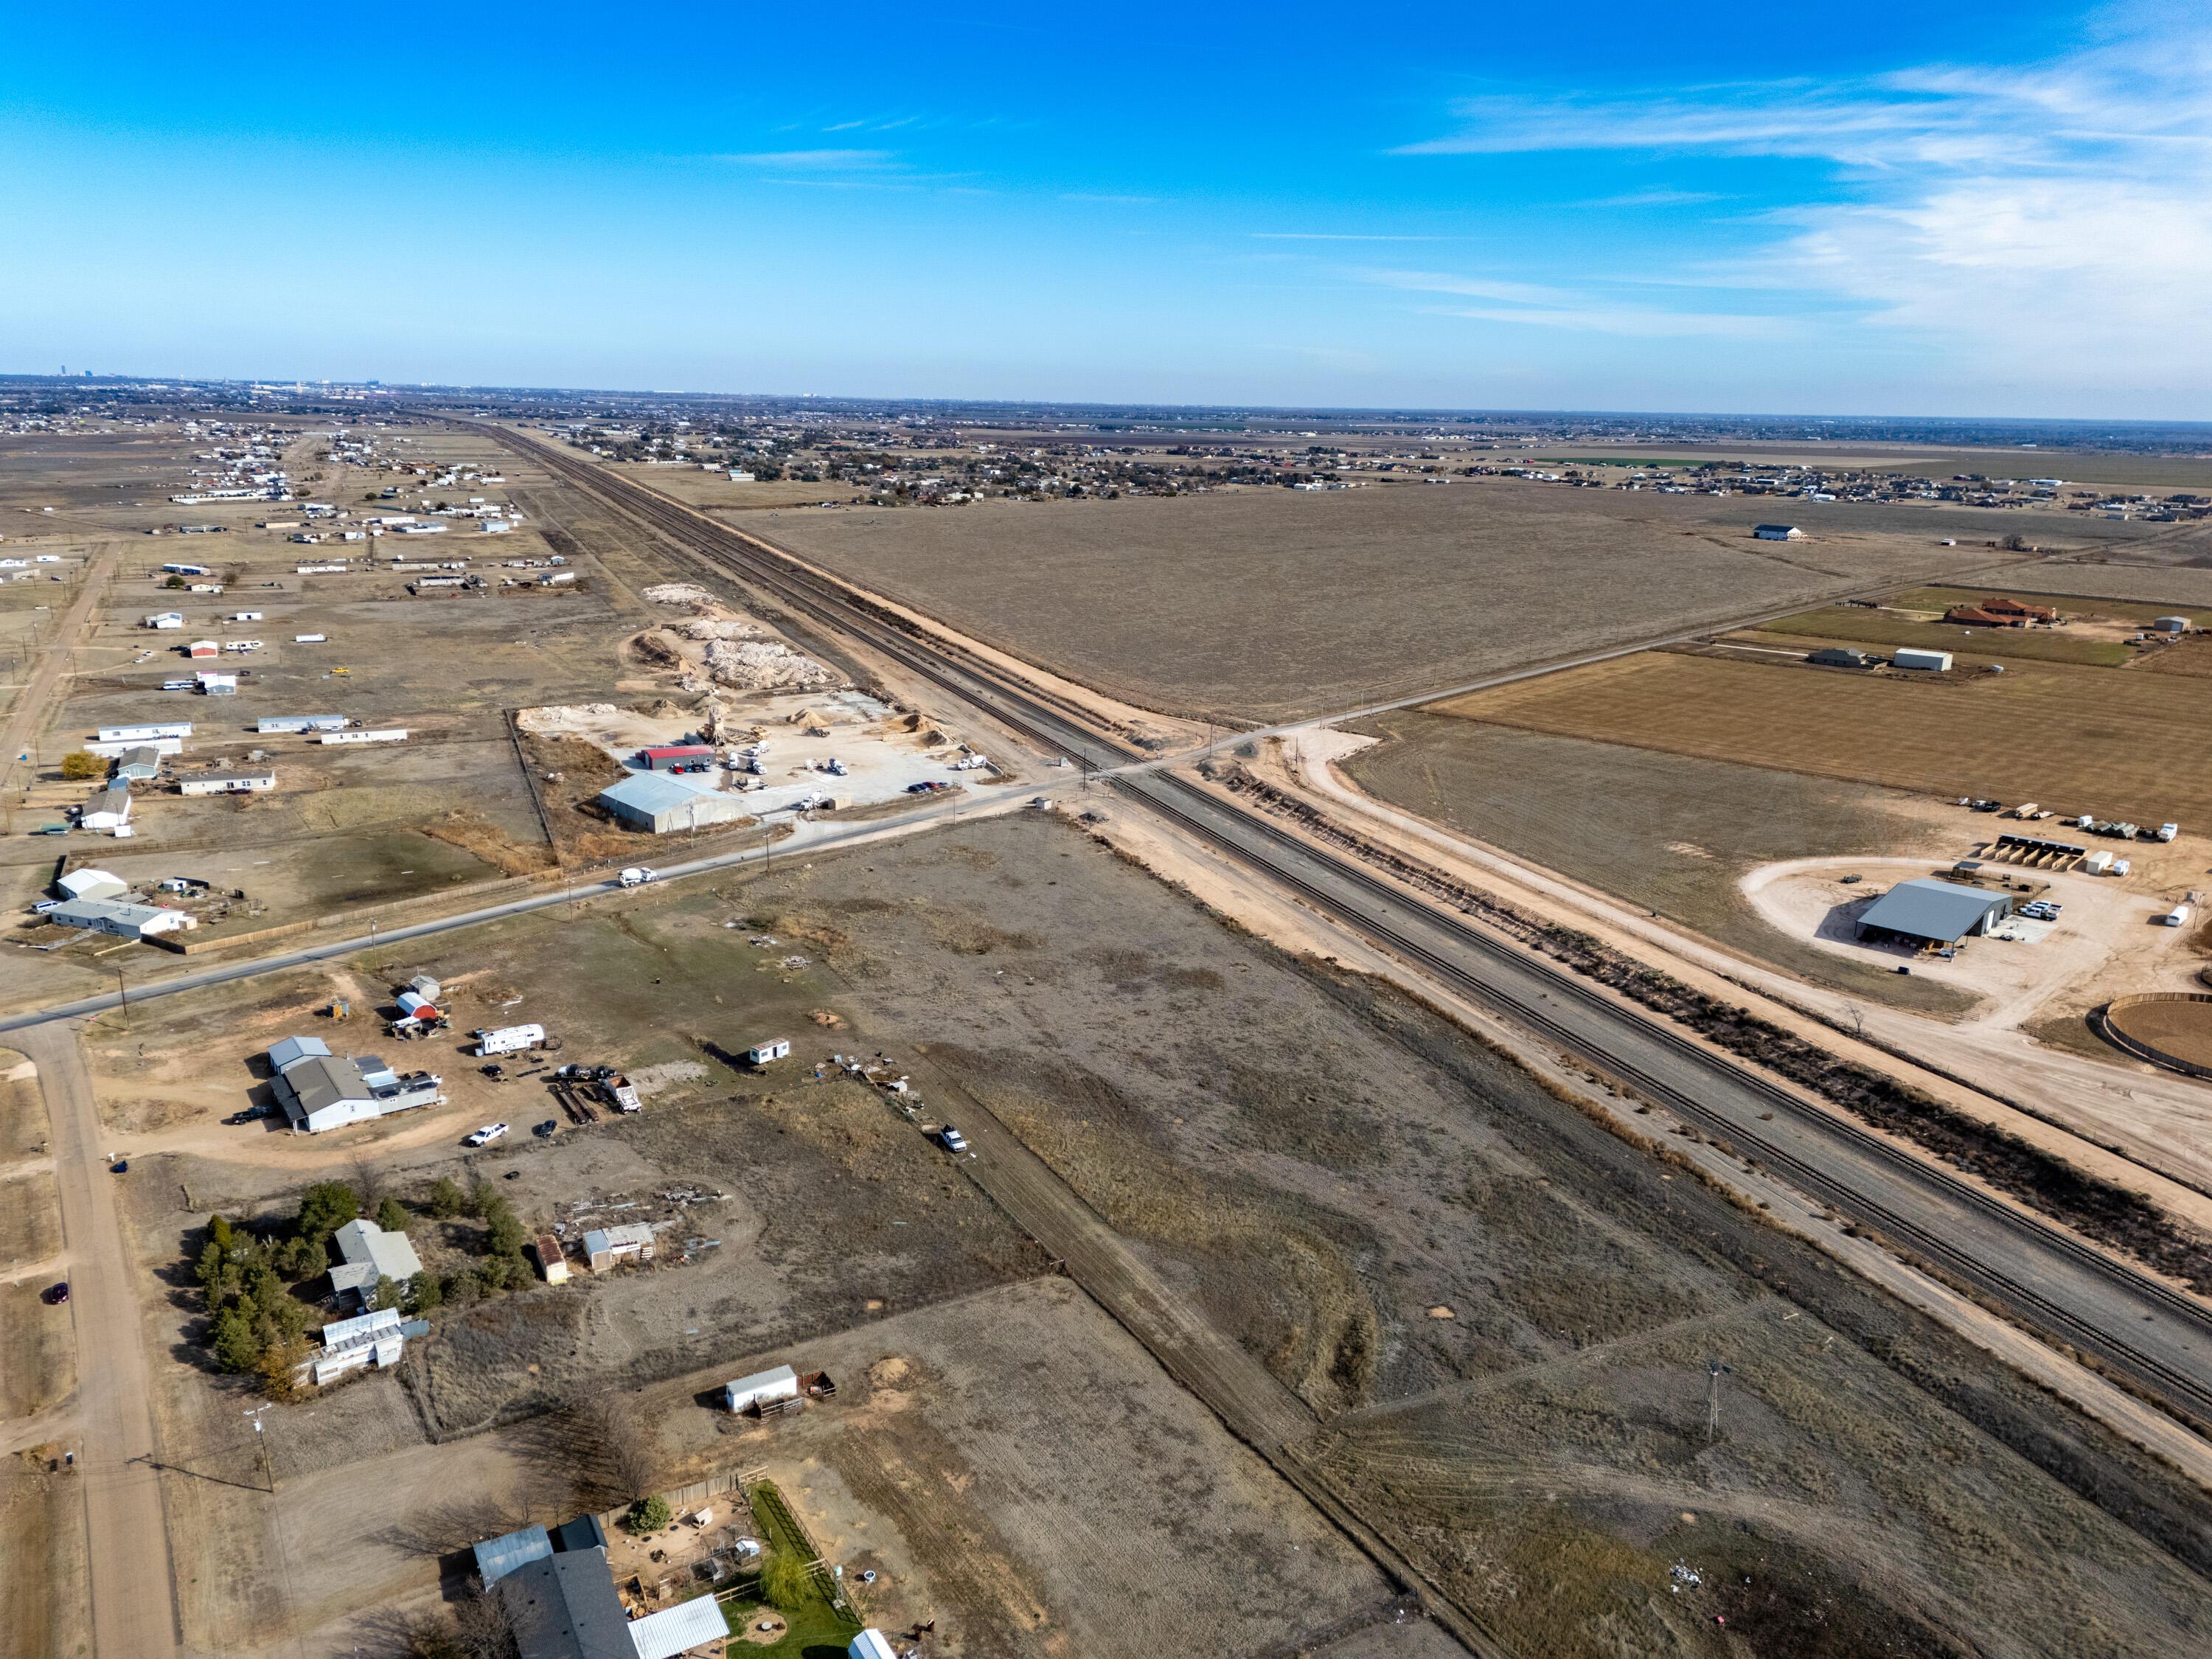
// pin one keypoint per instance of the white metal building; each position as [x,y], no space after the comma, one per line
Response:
[144,733]
[761,1388]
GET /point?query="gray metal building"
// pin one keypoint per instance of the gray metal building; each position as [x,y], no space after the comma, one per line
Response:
[1925,911]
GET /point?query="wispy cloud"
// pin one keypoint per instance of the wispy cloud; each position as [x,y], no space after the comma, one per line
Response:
[1536,305]
[1341,236]
[819,160]
[1655,198]
[1106,199]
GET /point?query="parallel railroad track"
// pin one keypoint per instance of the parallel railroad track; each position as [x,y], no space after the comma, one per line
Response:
[1289,860]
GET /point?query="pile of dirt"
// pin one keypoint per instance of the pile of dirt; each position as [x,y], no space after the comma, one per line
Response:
[764,664]
[718,628]
[680,593]
[564,716]
[655,648]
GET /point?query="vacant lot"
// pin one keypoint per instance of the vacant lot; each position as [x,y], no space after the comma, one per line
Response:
[1673,833]
[2079,739]
[2158,587]
[1266,604]
[1013,1464]
[37,1357]
[48,1608]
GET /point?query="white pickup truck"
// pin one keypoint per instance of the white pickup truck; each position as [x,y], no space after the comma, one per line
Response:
[485,1136]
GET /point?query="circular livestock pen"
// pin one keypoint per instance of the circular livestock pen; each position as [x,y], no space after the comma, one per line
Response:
[2173,1029]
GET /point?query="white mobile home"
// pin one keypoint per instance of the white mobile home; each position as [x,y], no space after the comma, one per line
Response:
[144,733]
[268,724]
[396,734]
[238,783]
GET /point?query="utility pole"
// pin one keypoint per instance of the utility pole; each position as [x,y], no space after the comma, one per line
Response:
[122,996]
[1714,1372]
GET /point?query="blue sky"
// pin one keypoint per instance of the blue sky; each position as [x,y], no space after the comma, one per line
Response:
[1875,208]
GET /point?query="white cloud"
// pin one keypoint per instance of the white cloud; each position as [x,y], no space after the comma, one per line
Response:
[1536,305]
[2049,224]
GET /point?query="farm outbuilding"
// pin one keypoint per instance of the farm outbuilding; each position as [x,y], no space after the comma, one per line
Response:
[1934,662]
[698,1622]
[763,1387]
[669,758]
[2171,625]
[498,1556]
[1927,911]
[1778,532]
[552,1260]
[1839,656]
[661,804]
[603,1247]
[89,883]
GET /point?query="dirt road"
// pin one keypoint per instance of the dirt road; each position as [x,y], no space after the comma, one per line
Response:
[33,703]
[133,1597]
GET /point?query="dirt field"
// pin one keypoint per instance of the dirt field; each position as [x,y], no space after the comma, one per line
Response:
[30,1224]
[1267,605]
[42,1541]
[1672,833]
[2077,740]
[37,1362]
[1328,1175]
[2133,576]
[23,1127]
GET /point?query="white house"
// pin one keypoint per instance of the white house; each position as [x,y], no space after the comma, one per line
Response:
[123,921]
[318,1091]
[109,810]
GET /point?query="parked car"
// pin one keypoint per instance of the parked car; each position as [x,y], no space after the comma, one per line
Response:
[247,1116]
[546,1131]
[54,1295]
[118,1166]
[951,1139]
[485,1136]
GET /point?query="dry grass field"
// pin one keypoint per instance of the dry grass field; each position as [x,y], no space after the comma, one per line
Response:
[1316,1166]
[2052,588]
[2137,577]
[1849,625]
[2078,739]
[1267,605]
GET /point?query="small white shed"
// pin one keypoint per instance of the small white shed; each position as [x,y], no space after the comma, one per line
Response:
[761,1053]
[763,1387]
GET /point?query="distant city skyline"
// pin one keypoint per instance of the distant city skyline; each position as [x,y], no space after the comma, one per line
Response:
[1881,208]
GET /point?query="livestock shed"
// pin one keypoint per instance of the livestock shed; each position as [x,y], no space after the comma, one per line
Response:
[1778,532]
[661,804]
[763,1387]
[1926,911]
[698,1622]
[1839,656]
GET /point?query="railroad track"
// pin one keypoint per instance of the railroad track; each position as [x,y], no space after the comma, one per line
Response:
[1392,917]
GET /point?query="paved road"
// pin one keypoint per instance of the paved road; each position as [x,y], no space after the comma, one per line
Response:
[134,1612]
[957,808]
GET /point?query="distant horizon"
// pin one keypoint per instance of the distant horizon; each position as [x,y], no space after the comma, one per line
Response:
[306,384]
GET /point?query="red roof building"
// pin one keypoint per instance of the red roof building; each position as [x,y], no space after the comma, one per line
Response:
[675,755]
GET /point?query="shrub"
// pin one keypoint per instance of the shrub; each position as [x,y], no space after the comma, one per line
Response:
[447,1199]
[647,1515]
[327,1206]
[390,1217]
[79,763]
